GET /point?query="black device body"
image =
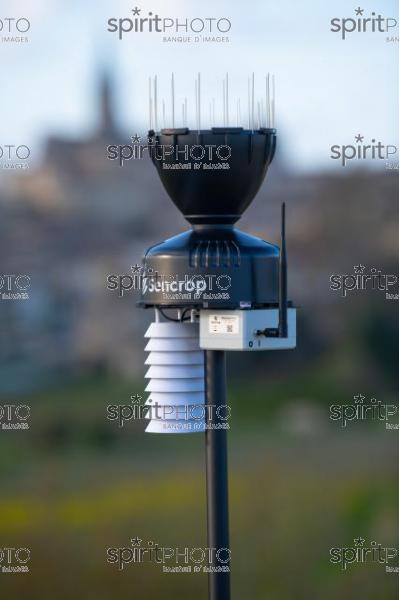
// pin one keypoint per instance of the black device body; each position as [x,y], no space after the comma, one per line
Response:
[213,265]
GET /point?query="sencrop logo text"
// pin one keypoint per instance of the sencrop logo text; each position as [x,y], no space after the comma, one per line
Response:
[14,157]
[363,150]
[171,559]
[361,410]
[366,280]
[13,30]
[179,29]
[185,157]
[14,287]
[14,416]
[14,560]
[361,553]
[363,22]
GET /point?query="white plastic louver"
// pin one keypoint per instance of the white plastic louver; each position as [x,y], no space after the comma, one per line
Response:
[176,378]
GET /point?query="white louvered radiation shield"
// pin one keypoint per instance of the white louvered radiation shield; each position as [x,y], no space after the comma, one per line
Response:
[176,386]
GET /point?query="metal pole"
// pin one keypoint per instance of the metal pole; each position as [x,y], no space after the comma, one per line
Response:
[216,476]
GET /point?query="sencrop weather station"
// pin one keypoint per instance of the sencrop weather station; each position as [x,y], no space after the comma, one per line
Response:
[213,288]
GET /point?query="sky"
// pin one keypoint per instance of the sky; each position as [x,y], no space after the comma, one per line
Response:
[327,89]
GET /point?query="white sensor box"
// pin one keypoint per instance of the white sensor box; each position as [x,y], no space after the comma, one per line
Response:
[242,329]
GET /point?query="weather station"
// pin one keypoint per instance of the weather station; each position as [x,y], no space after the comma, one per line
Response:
[214,288]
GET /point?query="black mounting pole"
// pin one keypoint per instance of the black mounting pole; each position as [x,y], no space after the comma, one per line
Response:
[216,475]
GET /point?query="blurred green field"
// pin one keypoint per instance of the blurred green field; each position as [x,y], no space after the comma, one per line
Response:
[75,484]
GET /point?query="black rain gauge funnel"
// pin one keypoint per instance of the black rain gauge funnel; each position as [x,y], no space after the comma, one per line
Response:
[213,287]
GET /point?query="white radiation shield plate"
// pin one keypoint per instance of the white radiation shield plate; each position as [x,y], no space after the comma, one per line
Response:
[177,398]
[172,330]
[175,385]
[172,345]
[175,358]
[175,372]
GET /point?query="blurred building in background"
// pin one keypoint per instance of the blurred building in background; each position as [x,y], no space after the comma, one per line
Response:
[79,216]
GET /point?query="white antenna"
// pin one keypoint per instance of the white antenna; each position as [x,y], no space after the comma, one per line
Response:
[213,112]
[261,112]
[199,102]
[224,103]
[253,102]
[173,100]
[150,101]
[227,99]
[196,103]
[156,103]
[249,106]
[273,101]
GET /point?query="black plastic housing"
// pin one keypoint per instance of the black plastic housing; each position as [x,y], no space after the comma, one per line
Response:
[210,195]
[239,270]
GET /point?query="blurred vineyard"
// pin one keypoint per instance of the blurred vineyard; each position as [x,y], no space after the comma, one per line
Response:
[76,484]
